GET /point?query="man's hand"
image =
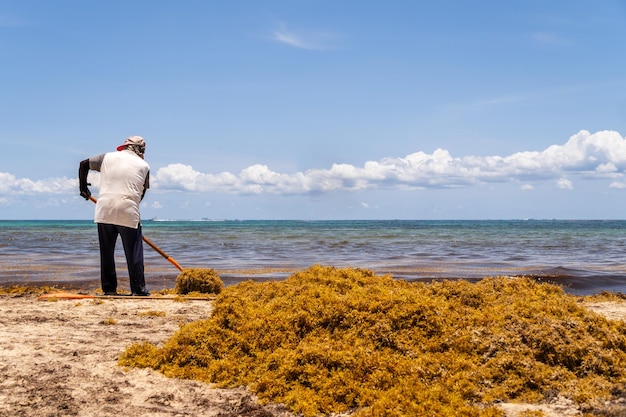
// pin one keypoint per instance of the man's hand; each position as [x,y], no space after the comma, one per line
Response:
[84,191]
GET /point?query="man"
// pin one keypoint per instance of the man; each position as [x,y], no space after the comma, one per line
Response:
[124,179]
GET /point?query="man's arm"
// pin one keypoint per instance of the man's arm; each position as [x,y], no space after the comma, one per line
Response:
[146,185]
[83,170]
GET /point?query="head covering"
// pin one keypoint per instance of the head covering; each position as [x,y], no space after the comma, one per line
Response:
[132,140]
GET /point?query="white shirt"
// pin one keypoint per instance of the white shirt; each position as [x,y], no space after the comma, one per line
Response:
[124,177]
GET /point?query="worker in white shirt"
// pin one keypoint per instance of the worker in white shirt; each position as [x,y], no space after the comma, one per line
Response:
[124,180]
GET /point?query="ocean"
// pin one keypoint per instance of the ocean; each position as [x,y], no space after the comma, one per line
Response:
[584,257]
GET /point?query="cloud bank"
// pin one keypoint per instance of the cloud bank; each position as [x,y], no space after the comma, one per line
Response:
[601,155]
[11,185]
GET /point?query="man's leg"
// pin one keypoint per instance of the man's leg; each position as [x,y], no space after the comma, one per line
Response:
[107,236]
[133,249]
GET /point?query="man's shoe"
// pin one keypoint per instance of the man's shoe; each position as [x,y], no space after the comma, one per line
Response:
[141,294]
[110,293]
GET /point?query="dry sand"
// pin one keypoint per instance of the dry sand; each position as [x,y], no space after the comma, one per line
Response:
[59,358]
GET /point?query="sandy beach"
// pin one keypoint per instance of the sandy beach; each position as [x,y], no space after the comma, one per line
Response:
[59,358]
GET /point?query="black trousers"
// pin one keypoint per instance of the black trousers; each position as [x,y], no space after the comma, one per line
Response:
[133,249]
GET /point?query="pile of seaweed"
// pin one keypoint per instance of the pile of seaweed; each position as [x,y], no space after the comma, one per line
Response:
[24,290]
[198,280]
[333,340]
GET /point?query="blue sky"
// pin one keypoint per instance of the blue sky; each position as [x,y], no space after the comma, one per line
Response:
[319,109]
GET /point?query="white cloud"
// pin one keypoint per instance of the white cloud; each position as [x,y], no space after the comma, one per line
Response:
[289,38]
[527,187]
[584,154]
[592,156]
[9,184]
[311,40]
[564,184]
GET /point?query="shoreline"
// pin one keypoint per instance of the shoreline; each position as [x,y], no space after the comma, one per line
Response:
[69,276]
[581,255]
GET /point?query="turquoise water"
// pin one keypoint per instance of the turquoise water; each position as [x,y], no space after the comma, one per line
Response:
[583,256]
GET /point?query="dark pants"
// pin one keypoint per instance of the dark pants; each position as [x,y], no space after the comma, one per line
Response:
[133,249]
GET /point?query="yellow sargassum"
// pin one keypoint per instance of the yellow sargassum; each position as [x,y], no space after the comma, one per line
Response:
[331,340]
